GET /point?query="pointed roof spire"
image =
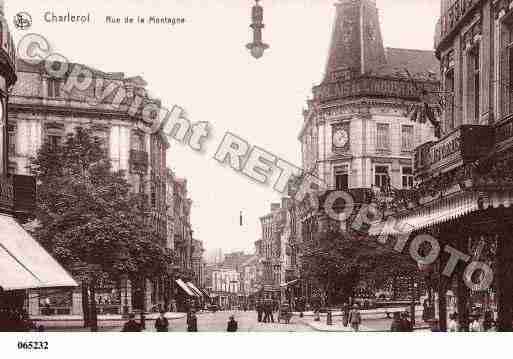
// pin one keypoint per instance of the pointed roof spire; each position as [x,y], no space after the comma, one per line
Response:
[2,7]
[356,43]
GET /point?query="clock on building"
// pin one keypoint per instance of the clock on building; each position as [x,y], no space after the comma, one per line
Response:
[340,138]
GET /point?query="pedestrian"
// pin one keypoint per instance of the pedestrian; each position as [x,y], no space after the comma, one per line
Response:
[355,318]
[192,322]
[162,324]
[270,309]
[433,325]
[476,325]
[406,324]
[488,321]
[232,325]
[260,310]
[397,324]
[132,325]
[345,315]
[453,325]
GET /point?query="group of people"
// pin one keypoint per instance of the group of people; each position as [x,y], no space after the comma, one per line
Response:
[401,322]
[478,322]
[162,323]
[265,310]
[351,316]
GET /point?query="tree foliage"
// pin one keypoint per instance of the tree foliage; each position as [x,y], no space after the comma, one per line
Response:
[338,261]
[87,213]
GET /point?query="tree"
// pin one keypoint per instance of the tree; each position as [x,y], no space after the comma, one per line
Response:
[338,261]
[88,215]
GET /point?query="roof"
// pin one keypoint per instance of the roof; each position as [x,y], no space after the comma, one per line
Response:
[357,48]
[421,64]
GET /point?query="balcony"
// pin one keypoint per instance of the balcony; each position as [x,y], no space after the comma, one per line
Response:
[452,19]
[139,161]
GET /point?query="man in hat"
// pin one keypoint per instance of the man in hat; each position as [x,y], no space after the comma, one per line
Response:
[132,325]
[162,324]
[232,324]
[406,323]
[192,322]
[355,319]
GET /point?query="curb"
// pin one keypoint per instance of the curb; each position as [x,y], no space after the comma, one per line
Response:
[366,330]
[72,323]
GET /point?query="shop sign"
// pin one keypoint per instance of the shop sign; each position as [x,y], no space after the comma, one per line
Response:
[464,145]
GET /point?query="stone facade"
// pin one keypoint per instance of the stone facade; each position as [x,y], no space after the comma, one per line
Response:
[358,135]
[45,109]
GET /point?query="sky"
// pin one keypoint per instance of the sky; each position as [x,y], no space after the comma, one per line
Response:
[204,67]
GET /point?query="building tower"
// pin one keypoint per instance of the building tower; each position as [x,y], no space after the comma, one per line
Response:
[356,43]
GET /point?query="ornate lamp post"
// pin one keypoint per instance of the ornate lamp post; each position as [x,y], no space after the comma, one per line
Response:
[257,47]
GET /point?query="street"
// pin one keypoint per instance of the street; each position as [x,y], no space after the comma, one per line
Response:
[217,322]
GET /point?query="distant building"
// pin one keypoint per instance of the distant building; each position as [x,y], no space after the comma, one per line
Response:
[198,263]
[270,246]
[226,287]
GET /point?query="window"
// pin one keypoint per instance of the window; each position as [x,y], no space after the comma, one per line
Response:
[381,177]
[341,178]
[137,142]
[13,168]
[54,88]
[506,69]
[473,85]
[103,138]
[12,141]
[383,138]
[407,177]
[407,138]
[476,81]
[449,110]
[54,141]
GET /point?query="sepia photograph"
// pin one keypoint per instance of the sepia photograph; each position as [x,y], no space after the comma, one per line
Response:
[308,170]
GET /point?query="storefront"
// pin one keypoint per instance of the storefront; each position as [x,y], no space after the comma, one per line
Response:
[24,265]
[464,201]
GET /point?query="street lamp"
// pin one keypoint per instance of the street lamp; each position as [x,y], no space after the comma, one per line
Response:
[257,47]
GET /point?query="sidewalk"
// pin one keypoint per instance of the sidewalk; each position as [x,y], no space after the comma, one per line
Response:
[104,321]
[380,324]
[380,313]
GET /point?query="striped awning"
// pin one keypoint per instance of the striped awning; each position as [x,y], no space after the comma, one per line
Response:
[24,263]
[185,288]
[440,211]
[195,290]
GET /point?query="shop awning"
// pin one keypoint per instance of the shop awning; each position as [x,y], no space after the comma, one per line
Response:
[439,211]
[184,287]
[24,263]
[292,282]
[205,293]
[195,290]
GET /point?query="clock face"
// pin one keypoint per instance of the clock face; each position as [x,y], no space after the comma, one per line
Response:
[340,138]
